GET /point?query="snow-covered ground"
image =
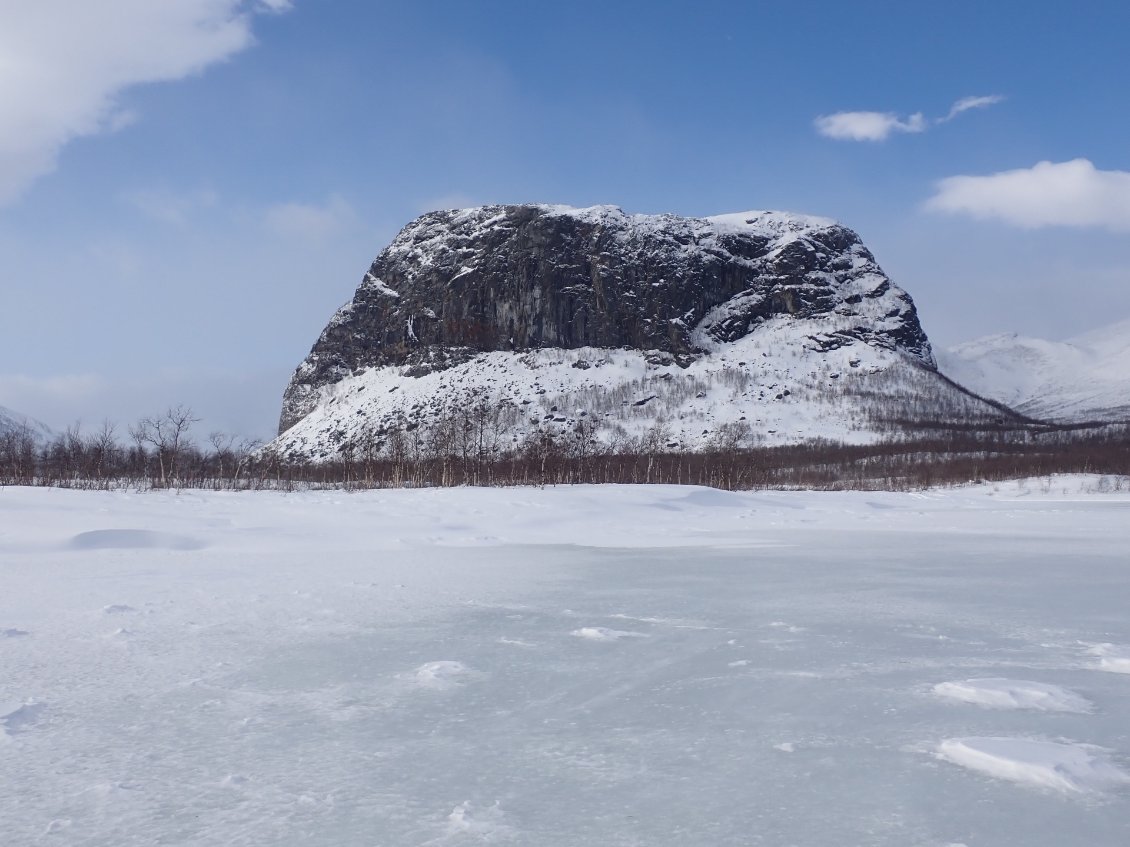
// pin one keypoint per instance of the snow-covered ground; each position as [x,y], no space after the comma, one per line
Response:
[768,385]
[574,666]
[792,396]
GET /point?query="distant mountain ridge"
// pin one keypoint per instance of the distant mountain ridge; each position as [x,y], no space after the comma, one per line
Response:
[14,422]
[1085,378]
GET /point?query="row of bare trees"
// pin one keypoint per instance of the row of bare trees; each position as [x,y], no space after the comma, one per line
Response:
[945,459]
[466,449]
[159,451]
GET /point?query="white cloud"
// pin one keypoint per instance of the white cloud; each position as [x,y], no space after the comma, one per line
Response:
[66,386]
[310,222]
[867,126]
[878,126]
[63,65]
[967,103]
[1071,193]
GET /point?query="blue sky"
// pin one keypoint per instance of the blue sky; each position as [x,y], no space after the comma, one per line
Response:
[188,189]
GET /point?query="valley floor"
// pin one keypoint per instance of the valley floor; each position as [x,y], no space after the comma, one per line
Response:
[619,665]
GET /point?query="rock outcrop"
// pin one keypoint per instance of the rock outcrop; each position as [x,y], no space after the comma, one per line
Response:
[456,284]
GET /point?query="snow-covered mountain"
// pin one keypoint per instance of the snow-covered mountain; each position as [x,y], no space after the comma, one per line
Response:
[14,422]
[1086,378]
[517,320]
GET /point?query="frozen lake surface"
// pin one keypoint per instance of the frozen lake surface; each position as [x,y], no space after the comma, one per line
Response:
[575,666]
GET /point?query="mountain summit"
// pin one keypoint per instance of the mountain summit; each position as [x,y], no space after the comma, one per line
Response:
[560,315]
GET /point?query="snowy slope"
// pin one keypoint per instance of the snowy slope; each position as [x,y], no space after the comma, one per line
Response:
[14,422]
[1083,378]
[767,389]
[615,666]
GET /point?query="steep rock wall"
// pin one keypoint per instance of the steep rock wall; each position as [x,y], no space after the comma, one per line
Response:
[453,284]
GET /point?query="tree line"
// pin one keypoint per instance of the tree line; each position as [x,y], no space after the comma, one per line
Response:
[162,452]
[156,452]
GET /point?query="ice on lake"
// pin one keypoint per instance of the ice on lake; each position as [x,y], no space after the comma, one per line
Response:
[607,666]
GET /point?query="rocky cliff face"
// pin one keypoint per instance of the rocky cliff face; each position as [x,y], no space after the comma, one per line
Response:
[457,284]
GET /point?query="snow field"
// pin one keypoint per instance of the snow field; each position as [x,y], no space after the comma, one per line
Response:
[1013,694]
[614,666]
[1112,657]
[15,716]
[443,676]
[1045,764]
[603,633]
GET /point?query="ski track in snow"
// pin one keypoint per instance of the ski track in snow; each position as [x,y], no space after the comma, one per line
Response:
[433,668]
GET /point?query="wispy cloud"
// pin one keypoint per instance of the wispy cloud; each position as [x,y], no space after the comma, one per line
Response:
[173,207]
[232,400]
[311,222]
[73,60]
[1075,194]
[878,126]
[967,103]
[66,386]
